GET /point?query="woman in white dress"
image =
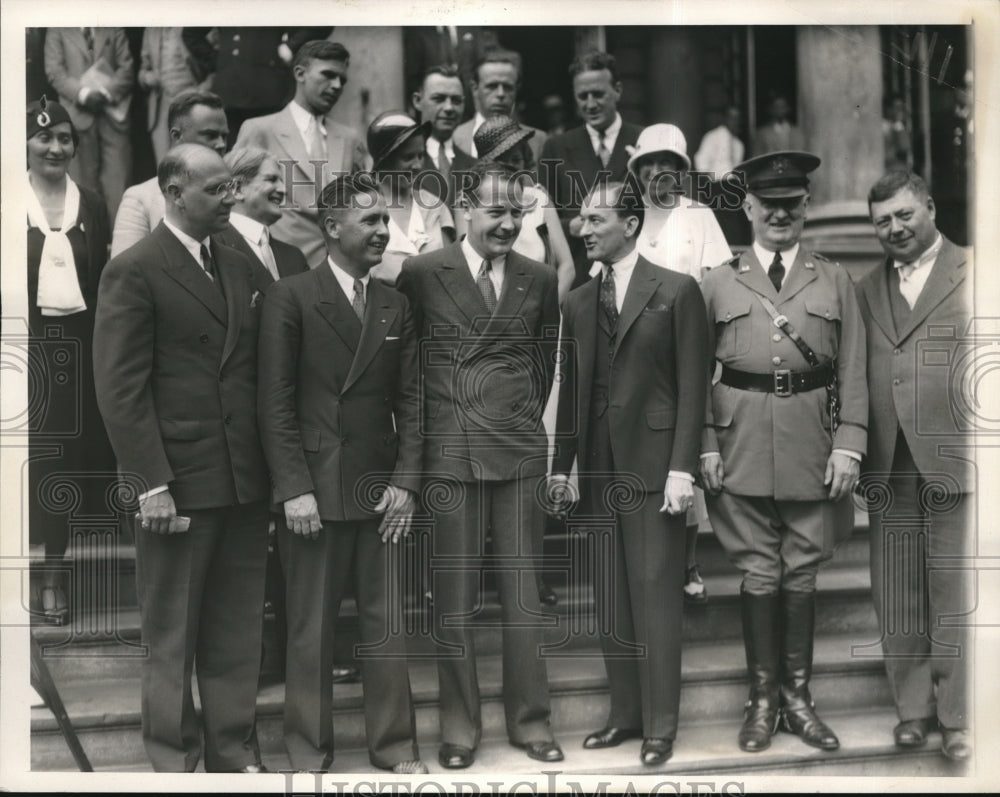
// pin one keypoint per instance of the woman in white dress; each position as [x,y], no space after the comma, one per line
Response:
[418,220]
[681,235]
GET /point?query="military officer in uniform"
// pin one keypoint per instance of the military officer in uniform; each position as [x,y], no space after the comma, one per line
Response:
[785,432]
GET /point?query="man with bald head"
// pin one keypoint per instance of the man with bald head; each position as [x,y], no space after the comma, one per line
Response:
[176,384]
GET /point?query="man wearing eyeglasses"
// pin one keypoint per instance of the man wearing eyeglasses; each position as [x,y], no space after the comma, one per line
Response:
[176,384]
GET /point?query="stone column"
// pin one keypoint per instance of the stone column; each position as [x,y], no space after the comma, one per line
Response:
[840,108]
[675,89]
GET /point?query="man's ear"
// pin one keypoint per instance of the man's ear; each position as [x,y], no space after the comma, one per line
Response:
[331,228]
[415,102]
[238,190]
[748,207]
[931,208]
[174,194]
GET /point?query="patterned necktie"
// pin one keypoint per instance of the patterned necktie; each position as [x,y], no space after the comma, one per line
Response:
[266,253]
[486,288]
[359,300]
[602,150]
[776,273]
[208,264]
[317,144]
[608,299]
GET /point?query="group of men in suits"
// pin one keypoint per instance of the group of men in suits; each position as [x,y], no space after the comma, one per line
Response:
[335,400]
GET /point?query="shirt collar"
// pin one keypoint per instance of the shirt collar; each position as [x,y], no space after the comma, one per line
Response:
[610,135]
[766,256]
[622,268]
[189,243]
[345,280]
[433,146]
[929,256]
[475,260]
[247,227]
[302,117]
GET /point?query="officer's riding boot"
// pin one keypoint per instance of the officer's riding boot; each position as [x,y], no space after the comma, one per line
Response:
[761,637]
[798,712]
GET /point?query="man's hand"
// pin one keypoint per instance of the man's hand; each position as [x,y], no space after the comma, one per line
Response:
[559,495]
[157,511]
[678,495]
[398,504]
[302,516]
[712,472]
[842,474]
[93,100]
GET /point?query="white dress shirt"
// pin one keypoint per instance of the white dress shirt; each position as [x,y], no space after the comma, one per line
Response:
[475,262]
[252,232]
[913,276]
[433,147]
[610,136]
[346,281]
[303,119]
[477,122]
[719,152]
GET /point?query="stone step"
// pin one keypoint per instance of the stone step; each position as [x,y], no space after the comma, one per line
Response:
[105,712]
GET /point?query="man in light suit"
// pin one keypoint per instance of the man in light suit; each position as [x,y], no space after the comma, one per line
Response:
[494,89]
[572,162]
[308,143]
[194,117]
[633,403]
[488,320]
[338,409]
[778,134]
[917,307]
[177,387]
[100,113]
[785,430]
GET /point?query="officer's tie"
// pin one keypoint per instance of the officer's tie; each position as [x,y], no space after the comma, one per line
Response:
[485,285]
[776,273]
[608,298]
[359,300]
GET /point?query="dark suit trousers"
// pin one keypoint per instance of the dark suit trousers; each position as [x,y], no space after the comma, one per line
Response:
[511,511]
[922,594]
[639,597]
[317,573]
[201,599]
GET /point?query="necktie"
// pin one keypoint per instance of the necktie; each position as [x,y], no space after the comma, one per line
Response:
[208,264]
[317,144]
[88,36]
[359,300]
[608,299]
[266,253]
[776,273]
[486,288]
[444,163]
[602,150]
[906,286]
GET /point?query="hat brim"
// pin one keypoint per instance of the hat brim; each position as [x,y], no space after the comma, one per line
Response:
[423,129]
[507,144]
[638,156]
[779,191]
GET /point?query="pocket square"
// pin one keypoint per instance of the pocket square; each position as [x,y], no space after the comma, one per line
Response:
[661,308]
[391,337]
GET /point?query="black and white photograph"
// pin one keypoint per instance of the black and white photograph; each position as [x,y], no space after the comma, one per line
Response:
[516,398]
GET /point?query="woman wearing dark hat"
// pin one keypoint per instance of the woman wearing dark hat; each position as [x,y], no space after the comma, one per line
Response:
[68,240]
[418,220]
[502,139]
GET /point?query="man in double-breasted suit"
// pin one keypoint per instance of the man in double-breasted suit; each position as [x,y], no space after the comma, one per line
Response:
[91,68]
[633,400]
[309,144]
[573,161]
[779,457]
[488,323]
[338,409]
[917,306]
[177,386]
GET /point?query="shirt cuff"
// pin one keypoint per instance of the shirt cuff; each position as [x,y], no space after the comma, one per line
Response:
[711,454]
[81,98]
[156,490]
[679,474]
[847,452]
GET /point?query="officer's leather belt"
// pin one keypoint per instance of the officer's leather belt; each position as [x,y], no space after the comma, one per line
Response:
[782,382]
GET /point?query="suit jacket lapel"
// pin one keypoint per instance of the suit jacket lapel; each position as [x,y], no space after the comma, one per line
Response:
[516,284]
[290,138]
[378,319]
[232,238]
[180,266]
[455,277]
[754,276]
[800,274]
[332,304]
[334,149]
[642,286]
[877,294]
[236,286]
[946,274]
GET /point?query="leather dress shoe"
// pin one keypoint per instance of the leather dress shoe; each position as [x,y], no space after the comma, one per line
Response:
[547,752]
[416,767]
[956,744]
[346,675]
[455,756]
[656,751]
[610,737]
[546,595]
[252,769]
[913,733]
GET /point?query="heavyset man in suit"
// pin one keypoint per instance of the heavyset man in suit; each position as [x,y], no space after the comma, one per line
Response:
[338,410]
[917,306]
[778,467]
[309,144]
[633,403]
[487,320]
[194,117]
[572,161]
[177,387]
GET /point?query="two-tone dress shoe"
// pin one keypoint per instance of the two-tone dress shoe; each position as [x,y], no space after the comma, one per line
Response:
[547,752]
[455,756]
[346,675]
[656,751]
[913,733]
[610,737]
[956,744]
[414,767]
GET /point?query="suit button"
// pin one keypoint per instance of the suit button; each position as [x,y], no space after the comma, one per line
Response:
[203,338]
[776,338]
[228,420]
[776,360]
[236,37]
[236,51]
[895,381]
[895,351]
[343,442]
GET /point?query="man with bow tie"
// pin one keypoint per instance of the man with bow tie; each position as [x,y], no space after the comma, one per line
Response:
[917,307]
[786,427]
[635,354]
